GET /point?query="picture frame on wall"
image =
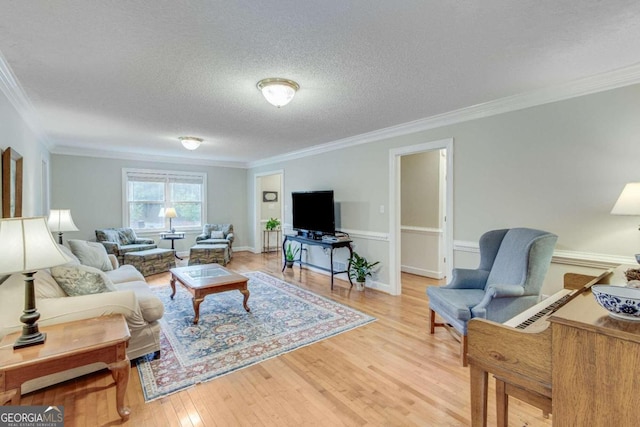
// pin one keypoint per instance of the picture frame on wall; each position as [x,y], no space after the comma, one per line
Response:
[11,184]
[269,196]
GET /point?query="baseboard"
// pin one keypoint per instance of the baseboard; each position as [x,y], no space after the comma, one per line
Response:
[422,272]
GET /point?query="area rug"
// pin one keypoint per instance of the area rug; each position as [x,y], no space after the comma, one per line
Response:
[283,318]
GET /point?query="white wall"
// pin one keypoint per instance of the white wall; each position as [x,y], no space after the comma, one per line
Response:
[92,189]
[558,167]
[15,133]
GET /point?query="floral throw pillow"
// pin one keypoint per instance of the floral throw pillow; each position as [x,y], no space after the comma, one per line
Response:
[82,280]
[217,235]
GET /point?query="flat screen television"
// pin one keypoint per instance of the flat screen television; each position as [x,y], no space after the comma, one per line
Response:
[313,212]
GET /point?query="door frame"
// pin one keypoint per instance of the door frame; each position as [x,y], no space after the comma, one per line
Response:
[395,204]
[257,200]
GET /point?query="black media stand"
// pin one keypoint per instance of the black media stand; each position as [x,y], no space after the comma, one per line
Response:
[325,244]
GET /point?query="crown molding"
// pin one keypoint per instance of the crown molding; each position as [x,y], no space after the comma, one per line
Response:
[106,154]
[11,88]
[585,86]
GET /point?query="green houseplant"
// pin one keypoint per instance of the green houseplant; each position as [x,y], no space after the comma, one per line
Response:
[359,269]
[272,224]
[290,254]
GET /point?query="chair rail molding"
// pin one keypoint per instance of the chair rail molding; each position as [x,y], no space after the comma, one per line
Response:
[576,258]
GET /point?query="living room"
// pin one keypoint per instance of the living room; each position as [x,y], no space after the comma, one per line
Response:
[554,157]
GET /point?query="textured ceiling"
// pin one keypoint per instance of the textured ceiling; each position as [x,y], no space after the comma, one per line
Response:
[133,76]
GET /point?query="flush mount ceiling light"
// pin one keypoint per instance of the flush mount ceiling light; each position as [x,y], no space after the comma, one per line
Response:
[190,142]
[278,92]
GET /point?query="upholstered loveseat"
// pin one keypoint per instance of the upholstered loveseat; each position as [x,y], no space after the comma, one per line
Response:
[213,234]
[119,241]
[131,297]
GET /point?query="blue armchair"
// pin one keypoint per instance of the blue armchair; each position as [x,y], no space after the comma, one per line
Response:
[513,265]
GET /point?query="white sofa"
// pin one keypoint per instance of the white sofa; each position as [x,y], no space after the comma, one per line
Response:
[133,298]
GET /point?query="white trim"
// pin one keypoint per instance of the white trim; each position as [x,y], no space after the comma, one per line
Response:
[425,231]
[10,86]
[395,284]
[366,235]
[576,258]
[586,86]
[422,272]
[145,157]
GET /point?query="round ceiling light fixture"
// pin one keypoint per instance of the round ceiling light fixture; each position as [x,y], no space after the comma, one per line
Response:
[190,142]
[278,92]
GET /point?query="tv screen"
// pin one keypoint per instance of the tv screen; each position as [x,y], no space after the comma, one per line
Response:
[313,211]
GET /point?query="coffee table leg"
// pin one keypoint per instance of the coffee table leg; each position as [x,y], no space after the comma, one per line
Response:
[196,309]
[246,294]
[120,372]
[173,285]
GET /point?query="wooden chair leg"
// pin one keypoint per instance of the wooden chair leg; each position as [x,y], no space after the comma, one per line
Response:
[463,350]
[432,323]
[502,404]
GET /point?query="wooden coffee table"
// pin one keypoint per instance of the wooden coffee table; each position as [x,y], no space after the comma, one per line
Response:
[68,345]
[206,279]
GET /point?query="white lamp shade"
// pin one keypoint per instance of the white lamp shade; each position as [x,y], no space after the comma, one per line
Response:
[170,213]
[60,220]
[161,213]
[629,201]
[278,92]
[27,246]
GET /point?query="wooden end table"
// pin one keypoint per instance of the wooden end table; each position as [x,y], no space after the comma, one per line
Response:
[206,279]
[68,345]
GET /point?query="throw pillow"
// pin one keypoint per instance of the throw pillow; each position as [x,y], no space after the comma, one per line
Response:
[82,280]
[217,235]
[74,259]
[92,254]
[127,236]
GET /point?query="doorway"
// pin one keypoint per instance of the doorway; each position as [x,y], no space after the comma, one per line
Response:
[445,210]
[269,203]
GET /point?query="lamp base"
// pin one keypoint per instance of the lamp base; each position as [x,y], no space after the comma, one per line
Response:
[29,340]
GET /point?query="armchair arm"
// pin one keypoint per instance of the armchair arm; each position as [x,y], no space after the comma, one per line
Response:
[230,237]
[111,247]
[201,237]
[464,278]
[144,241]
[496,291]
[114,261]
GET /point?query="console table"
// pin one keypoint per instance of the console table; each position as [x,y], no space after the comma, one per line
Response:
[266,237]
[323,243]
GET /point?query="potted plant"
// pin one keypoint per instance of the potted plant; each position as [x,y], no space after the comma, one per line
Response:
[272,224]
[290,254]
[359,269]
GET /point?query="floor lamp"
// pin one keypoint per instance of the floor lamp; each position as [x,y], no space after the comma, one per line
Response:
[28,246]
[60,221]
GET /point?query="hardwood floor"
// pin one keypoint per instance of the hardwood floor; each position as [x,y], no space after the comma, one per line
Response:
[391,372]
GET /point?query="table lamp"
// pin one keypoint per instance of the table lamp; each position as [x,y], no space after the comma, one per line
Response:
[28,246]
[628,203]
[60,221]
[170,213]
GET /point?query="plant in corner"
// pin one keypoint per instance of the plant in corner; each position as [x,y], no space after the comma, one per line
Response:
[290,254]
[359,269]
[272,224]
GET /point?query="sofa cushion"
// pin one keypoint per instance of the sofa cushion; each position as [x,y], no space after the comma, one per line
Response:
[216,235]
[46,286]
[92,254]
[127,236]
[124,273]
[150,305]
[74,259]
[82,280]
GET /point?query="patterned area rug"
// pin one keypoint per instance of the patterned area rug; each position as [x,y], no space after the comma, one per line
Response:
[283,318]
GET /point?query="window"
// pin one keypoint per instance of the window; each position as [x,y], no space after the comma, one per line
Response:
[147,193]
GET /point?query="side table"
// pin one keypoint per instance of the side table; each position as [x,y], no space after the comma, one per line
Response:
[173,236]
[68,345]
[266,243]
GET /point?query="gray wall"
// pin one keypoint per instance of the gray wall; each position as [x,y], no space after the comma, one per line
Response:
[558,167]
[92,189]
[420,183]
[15,133]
